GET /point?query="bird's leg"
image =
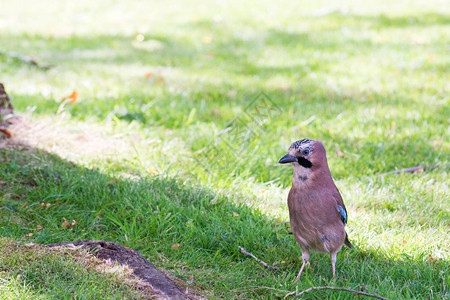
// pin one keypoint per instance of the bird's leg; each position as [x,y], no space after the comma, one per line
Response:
[333,263]
[301,270]
[305,258]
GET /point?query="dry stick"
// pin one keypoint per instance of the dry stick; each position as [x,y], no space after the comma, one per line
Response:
[412,170]
[252,288]
[407,170]
[317,288]
[257,259]
[314,288]
[28,59]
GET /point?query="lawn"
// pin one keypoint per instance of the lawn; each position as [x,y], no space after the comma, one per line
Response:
[184,109]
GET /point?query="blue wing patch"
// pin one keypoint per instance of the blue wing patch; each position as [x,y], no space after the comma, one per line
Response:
[343,214]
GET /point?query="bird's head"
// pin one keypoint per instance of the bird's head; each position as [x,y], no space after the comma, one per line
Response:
[306,153]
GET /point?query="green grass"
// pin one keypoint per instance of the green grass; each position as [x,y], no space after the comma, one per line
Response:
[145,161]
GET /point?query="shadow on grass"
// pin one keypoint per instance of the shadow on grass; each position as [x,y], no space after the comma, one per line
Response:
[188,230]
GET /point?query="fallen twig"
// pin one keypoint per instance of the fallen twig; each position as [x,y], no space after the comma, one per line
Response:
[28,59]
[407,170]
[257,259]
[253,288]
[318,288]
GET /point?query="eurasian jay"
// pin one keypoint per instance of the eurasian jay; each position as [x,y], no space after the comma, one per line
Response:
[316,210]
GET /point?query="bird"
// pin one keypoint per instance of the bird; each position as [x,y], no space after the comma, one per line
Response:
[316,210]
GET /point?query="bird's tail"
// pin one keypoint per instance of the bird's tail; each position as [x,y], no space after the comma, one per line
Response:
[347,242]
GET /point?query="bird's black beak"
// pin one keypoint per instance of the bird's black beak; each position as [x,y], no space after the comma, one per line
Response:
[287,159]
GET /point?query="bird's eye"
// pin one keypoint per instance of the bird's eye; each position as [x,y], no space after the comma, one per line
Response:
[305,152]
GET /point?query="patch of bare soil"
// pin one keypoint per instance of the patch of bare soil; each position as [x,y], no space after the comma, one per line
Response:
[144,275]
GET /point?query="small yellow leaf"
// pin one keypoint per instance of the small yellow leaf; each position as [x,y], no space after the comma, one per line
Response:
[160,80]
[419,170]
[206,40]
[153,171]
[235,214]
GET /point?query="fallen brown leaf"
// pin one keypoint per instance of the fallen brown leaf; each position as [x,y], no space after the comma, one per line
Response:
[112,181]
[176,246]
[340,153]
[73,97]
[6,132]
